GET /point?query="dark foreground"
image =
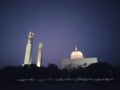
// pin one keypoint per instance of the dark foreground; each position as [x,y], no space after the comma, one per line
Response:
[99,76]
[61,86]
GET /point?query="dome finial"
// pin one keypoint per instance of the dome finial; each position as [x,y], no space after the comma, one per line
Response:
[76,53]
[75,47]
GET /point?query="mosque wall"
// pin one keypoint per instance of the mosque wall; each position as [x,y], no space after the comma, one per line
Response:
[83,62]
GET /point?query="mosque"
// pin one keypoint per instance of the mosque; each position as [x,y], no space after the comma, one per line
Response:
[77,59]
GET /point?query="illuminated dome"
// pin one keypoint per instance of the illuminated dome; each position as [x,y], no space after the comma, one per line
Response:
[76,54]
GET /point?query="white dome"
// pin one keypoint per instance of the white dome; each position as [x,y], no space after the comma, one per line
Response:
[76,54]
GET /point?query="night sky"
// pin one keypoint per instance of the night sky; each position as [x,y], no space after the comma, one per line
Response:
[92,25]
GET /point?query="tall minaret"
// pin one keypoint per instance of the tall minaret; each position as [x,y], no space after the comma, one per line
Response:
[39,58]
[28,53]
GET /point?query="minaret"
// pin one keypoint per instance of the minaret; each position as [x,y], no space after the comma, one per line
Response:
[28,53]
[39,58]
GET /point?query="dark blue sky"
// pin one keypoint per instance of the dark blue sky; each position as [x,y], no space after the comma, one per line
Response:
[92,25]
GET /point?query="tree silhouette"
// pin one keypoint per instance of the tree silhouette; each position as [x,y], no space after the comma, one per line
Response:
[52,71]
[97,70]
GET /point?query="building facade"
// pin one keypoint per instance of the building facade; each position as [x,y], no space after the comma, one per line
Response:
[77,60]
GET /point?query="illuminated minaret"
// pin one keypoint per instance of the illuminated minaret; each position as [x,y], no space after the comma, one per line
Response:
[28,53]
[39,58]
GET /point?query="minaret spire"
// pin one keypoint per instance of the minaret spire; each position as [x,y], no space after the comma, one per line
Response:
[28,53]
